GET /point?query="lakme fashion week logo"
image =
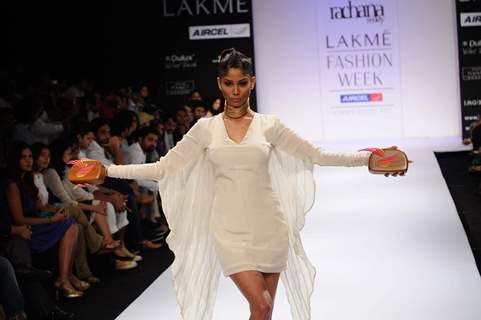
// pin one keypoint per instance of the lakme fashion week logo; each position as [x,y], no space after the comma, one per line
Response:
[239,30]
[470,19]
[203,7]
[180,61]
[371,12]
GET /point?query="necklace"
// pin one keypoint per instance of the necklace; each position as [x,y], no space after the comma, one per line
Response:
[236,113]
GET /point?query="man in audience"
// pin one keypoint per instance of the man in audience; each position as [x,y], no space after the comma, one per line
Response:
[137,154]
[107,151]
[169,128]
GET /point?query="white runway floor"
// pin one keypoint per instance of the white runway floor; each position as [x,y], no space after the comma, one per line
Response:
[384,248]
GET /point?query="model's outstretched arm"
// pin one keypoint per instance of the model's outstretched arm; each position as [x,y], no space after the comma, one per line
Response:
[188,149]
[287,140]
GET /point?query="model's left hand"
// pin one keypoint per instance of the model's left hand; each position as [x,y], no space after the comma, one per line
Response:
[395,174]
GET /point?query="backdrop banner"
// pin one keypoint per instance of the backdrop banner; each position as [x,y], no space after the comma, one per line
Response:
[359,69]
[197,31]
[469,44]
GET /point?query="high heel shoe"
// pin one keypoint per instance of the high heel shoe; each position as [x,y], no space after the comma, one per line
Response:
[64,288]
[79,284]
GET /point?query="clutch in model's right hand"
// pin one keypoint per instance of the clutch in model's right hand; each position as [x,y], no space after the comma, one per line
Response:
[87,171]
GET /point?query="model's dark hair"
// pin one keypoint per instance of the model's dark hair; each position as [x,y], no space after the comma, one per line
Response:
[231,58]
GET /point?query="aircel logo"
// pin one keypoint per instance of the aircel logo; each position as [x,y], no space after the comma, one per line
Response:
[371,12]
[240,30]
[361,97]
[470,19]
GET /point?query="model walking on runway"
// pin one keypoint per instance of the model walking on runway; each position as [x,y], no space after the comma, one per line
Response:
[235,191]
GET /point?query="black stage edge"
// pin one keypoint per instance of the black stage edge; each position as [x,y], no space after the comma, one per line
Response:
[464,188]
[118,289]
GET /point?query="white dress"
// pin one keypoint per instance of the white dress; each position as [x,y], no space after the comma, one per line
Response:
[238,206]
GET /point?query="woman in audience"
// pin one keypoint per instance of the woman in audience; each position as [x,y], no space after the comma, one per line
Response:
[109,220]
[88,237]
[47,230]
[216,107]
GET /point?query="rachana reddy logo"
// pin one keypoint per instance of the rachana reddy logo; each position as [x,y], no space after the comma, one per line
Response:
[361,97]
[240,30]
[470,19]
[179,88]
[180,61]
[371,12]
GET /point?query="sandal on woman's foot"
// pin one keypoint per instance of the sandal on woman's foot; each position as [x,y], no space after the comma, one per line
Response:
[92,280]
[135,257]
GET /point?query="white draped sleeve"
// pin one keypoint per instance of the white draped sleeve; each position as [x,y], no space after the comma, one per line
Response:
[187,150]
[291,171]
[186,185]
[287,140]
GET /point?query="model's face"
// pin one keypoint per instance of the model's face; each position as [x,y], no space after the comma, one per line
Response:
[26,160]
[236,87]
[149,142]
[86,140]
[103,134]
[43,159]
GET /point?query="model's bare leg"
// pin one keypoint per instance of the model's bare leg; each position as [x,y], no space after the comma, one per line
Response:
[254,288]
[272,279]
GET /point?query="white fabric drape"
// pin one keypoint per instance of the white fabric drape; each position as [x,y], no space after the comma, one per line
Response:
[187,198]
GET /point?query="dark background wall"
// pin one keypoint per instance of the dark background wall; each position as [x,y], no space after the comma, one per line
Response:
[114,43]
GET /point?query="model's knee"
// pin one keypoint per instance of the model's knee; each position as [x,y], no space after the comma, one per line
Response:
[261,309]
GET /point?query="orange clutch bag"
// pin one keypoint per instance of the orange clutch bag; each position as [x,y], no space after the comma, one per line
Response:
[392,160]
[86,172]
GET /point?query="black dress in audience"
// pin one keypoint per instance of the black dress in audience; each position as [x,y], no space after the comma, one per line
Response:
[44,236]
[29,294]
[10,296]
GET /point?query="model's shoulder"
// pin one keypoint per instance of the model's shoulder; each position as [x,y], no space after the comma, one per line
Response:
[207,122]
[267,119]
